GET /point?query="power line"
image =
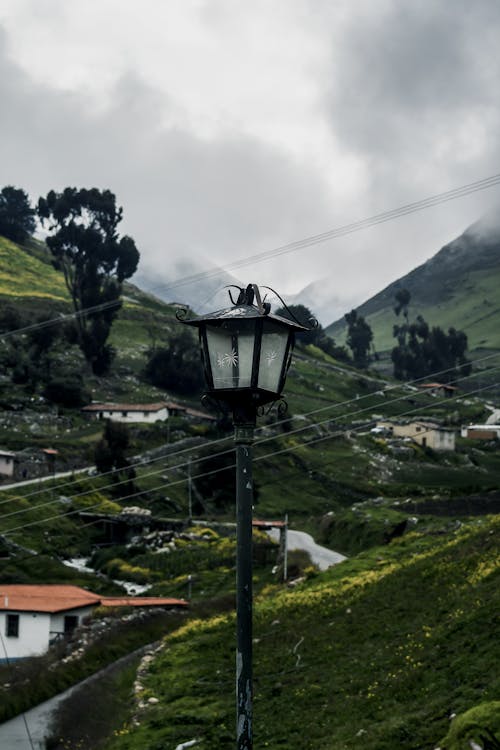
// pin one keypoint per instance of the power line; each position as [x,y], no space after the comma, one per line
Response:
[140,463]
[303,428]
[341,231]
[282,451]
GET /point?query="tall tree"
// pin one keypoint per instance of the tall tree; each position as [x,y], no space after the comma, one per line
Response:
[316,335]
[402,300]
[359,338]
[305,317]
[17,217]
[86,247]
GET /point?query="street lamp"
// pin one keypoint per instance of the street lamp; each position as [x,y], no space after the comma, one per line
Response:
[246,352]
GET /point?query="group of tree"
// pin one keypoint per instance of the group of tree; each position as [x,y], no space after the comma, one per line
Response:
[85,245]
[174,363]
[33,353]
[422,350]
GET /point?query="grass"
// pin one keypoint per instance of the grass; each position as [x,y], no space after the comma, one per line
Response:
[379,651]
[23,275]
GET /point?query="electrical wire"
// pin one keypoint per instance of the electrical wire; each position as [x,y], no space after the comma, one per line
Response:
[356,226]
[341,231]
[298,430]
[190,449]
[288,449]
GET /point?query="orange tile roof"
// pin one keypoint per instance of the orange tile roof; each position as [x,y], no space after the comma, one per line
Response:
[126,407]
[56,598]
[142,601]
[257,524]
[46,598]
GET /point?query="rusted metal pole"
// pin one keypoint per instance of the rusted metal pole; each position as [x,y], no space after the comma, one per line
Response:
[243,435]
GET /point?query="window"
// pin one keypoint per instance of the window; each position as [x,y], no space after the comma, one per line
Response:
[124,413]
[12,626]
[70,623]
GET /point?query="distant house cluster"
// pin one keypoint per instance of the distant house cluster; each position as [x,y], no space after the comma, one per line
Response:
[34,616]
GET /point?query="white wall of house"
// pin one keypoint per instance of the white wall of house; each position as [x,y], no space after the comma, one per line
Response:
[57,620]
[128,416]
[6,465]
[33,635]
[36,631]
[441,440]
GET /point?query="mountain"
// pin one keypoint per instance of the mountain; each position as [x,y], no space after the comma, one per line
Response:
[318,298]
[377,653]
[457,287]
[207,291]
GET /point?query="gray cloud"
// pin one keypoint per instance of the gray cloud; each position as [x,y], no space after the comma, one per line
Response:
[416,90]
[408,94]
[183,196]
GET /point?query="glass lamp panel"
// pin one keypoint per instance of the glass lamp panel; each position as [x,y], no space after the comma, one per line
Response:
[231,357]
[272,354]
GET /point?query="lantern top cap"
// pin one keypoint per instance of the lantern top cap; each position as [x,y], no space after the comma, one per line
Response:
[246,309]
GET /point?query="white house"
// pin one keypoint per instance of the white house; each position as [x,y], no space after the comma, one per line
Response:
[130,413]
[7,463]
[32,617]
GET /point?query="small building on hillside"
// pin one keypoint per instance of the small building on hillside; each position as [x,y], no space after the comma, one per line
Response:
[7,463]
[148,413]
[481,431]
[438,389]
[131,413]
[34,616]
[425,433]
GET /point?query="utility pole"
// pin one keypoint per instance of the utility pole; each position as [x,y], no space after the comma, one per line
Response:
[243,437]
[285,549]
[190,493]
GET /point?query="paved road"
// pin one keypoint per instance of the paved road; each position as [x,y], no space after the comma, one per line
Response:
[16,733]
[321,556]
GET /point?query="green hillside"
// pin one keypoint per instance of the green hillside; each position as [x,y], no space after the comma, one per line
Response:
[378,652]
[23,275]
[457,287]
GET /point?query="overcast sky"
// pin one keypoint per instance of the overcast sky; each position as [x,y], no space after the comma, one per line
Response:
[227,128]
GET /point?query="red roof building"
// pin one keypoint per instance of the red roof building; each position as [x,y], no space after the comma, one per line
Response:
[33,616]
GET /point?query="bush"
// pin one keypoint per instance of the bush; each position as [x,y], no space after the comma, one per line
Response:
[67,390]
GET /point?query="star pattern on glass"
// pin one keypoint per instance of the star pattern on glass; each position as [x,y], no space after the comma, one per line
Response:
[227,359]
[270,357]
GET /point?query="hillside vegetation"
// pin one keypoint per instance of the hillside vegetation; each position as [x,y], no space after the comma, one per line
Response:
[457,287]
[23,275]
[379,652]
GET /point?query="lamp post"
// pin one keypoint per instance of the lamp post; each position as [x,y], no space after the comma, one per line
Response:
[246,352]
